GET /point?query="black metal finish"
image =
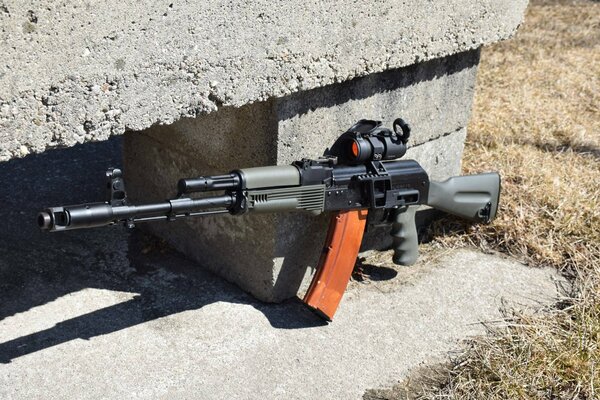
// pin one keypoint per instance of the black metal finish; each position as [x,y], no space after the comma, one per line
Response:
[356,177]
[376,185]
[208,183]
[116,187]
[367,141]
[118,209]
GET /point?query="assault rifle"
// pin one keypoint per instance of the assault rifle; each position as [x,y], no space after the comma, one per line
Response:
[359,176]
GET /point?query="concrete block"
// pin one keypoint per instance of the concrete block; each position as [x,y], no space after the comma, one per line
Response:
[80,71]
[273,256]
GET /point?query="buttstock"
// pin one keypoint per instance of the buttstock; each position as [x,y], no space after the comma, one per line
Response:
[473,197]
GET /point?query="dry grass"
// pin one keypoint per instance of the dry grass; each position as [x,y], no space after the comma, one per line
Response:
[537,120]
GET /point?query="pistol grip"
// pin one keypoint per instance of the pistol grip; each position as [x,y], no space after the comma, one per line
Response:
[404,234]
[337,262]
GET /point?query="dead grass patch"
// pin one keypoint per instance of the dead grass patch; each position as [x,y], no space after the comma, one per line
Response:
[537,120]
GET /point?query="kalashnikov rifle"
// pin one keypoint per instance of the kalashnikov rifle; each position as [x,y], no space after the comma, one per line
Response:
[360,174]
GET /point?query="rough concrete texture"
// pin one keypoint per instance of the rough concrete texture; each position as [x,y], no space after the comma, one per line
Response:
[77,71]
[273,256]
[183,333]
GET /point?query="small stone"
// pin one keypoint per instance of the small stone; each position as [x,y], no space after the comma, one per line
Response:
[23,150]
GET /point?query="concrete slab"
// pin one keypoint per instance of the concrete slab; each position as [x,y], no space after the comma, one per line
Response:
[78,71]
[182,333]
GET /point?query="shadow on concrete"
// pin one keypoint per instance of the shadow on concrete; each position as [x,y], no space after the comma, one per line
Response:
[39,267]
[364,271]
[386,81]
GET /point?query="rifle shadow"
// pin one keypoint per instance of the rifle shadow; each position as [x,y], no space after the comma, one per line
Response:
[38,267]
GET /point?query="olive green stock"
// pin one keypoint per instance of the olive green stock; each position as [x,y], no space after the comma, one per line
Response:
[473,197]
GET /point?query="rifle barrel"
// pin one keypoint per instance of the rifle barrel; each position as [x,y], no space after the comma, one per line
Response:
[100,214]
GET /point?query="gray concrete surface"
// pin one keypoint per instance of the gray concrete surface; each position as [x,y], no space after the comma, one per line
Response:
[77,71]
[182,333]
[274,256]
